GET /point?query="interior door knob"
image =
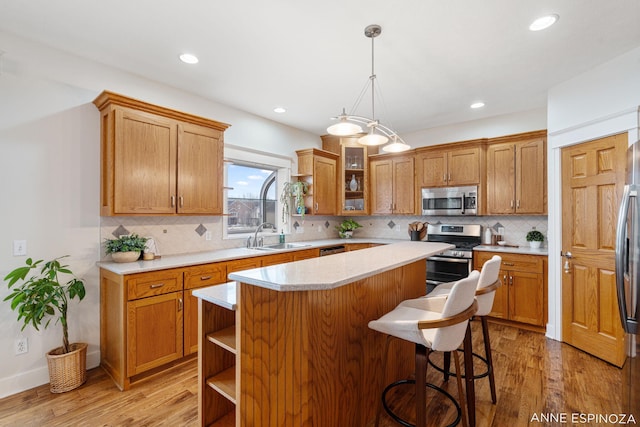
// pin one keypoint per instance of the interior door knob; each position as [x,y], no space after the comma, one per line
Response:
[567,266]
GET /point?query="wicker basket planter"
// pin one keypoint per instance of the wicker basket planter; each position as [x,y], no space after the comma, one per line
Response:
[69,370]
[129,256]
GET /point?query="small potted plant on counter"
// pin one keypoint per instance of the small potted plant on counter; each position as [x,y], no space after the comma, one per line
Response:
[535,238]
[346,227]
[41,297]
[125,248]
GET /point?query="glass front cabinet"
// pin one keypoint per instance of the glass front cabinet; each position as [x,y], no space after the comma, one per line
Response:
[353,176]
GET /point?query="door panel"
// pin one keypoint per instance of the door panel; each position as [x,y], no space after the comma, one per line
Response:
[592,182]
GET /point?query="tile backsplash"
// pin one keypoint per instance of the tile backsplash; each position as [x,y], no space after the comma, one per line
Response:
[188,234]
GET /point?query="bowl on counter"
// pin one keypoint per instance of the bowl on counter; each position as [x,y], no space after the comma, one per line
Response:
[502,242]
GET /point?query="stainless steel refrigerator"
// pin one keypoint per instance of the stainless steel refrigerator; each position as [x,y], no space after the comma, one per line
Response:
[628,277]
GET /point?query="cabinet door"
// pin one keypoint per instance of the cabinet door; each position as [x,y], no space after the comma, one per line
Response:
[464,166]
[500,179]
[500,306]
[144,163]
[526,298]
[381,186]
[244,264]
[324,186]
[531,172]
[277,259]
[403,186]
[432,169]
[200,170]
[154,332]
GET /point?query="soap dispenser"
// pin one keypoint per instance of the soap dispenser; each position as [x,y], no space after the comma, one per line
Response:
[487,236]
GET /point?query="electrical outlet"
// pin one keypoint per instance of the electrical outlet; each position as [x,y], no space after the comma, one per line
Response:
[21,345]
[19,247]
[207,235]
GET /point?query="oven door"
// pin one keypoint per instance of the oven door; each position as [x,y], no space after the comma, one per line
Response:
[443,269]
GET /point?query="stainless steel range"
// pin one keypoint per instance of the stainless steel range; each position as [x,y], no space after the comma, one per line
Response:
[453,264]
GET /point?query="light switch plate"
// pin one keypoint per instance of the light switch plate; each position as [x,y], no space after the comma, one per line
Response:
[19,247]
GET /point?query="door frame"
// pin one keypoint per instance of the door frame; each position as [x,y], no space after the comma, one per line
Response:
[624,121]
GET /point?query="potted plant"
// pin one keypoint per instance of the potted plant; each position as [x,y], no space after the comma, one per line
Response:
[346,227]
[295,191]
[126,248]
[42,297]
[535,238]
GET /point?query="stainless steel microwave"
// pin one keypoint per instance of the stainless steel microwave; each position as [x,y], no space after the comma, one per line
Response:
[449,201]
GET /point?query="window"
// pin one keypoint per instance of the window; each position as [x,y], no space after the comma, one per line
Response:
[251,197]
[254,181]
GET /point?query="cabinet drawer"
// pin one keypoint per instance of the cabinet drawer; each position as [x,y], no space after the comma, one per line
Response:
[205,275]
[144,285]
[514,262]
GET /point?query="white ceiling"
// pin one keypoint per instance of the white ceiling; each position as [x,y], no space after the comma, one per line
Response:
[433,59]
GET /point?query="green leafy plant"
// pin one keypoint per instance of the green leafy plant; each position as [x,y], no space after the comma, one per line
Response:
[42,296]
[535,236]
[128,243]
[346,226]
[295,191]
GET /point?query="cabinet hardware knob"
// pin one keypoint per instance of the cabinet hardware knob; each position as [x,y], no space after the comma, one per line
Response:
[510,264]
[157,285]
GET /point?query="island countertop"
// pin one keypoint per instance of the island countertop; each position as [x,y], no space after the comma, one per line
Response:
[336,270]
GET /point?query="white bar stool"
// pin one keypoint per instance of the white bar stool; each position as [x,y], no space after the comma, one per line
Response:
[433,324]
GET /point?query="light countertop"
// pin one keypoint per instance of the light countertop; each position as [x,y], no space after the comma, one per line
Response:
[223,295]
[197,258]
[336,270]
[519,250]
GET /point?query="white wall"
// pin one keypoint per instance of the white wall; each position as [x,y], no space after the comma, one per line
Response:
[49,178]
[601,102]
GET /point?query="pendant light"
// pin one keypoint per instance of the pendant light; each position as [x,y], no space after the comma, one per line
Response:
[377,133]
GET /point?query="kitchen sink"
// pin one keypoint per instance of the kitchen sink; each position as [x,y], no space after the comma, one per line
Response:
[281,246]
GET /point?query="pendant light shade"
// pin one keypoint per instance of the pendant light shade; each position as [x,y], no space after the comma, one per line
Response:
[350,125]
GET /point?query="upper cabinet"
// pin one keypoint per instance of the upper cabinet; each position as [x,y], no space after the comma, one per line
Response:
[319,168]
[157,161]
[517,174]
[445,166]
[392,180]
[353,173]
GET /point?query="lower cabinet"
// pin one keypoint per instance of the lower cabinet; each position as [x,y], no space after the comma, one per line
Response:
[523,295]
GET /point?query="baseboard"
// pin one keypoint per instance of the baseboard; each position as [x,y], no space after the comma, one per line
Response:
[37,376]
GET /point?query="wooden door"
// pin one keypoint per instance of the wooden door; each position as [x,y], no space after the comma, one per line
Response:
[500,179]
[432,169]
[200,170]
[154,332]
[381,171]
[593,176]
[531,173]
[403,186]
[464,166]
[324,185]
[145,163]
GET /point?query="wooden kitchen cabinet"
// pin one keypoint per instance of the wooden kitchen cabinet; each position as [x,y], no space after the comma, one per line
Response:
[352,164]
[523,295]
[319,168]
[517,174]
[157,161]
[197,277]
[445,166]
[392,184]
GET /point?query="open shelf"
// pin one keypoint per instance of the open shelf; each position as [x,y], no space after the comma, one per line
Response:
[225,338]
[229,420]
[225,383]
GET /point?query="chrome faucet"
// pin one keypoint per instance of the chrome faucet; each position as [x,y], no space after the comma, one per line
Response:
[255,236]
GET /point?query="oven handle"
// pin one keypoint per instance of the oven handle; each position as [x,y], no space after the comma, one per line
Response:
[458,260]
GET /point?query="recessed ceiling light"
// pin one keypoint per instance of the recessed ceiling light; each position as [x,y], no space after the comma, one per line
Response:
[478,104]
[280,110]
[188,58]
[543,22]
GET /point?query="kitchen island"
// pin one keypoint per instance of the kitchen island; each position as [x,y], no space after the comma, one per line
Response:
[305,355]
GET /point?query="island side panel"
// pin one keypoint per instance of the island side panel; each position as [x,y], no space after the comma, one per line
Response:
[309,358]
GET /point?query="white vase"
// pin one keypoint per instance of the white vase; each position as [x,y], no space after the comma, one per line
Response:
[535,245]
[353,185]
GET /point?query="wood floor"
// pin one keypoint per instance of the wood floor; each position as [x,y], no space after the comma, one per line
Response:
[534,376]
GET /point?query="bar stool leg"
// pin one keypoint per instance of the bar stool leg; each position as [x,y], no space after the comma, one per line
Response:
[456,358]
[468,376]
[487,352]
[421,385]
